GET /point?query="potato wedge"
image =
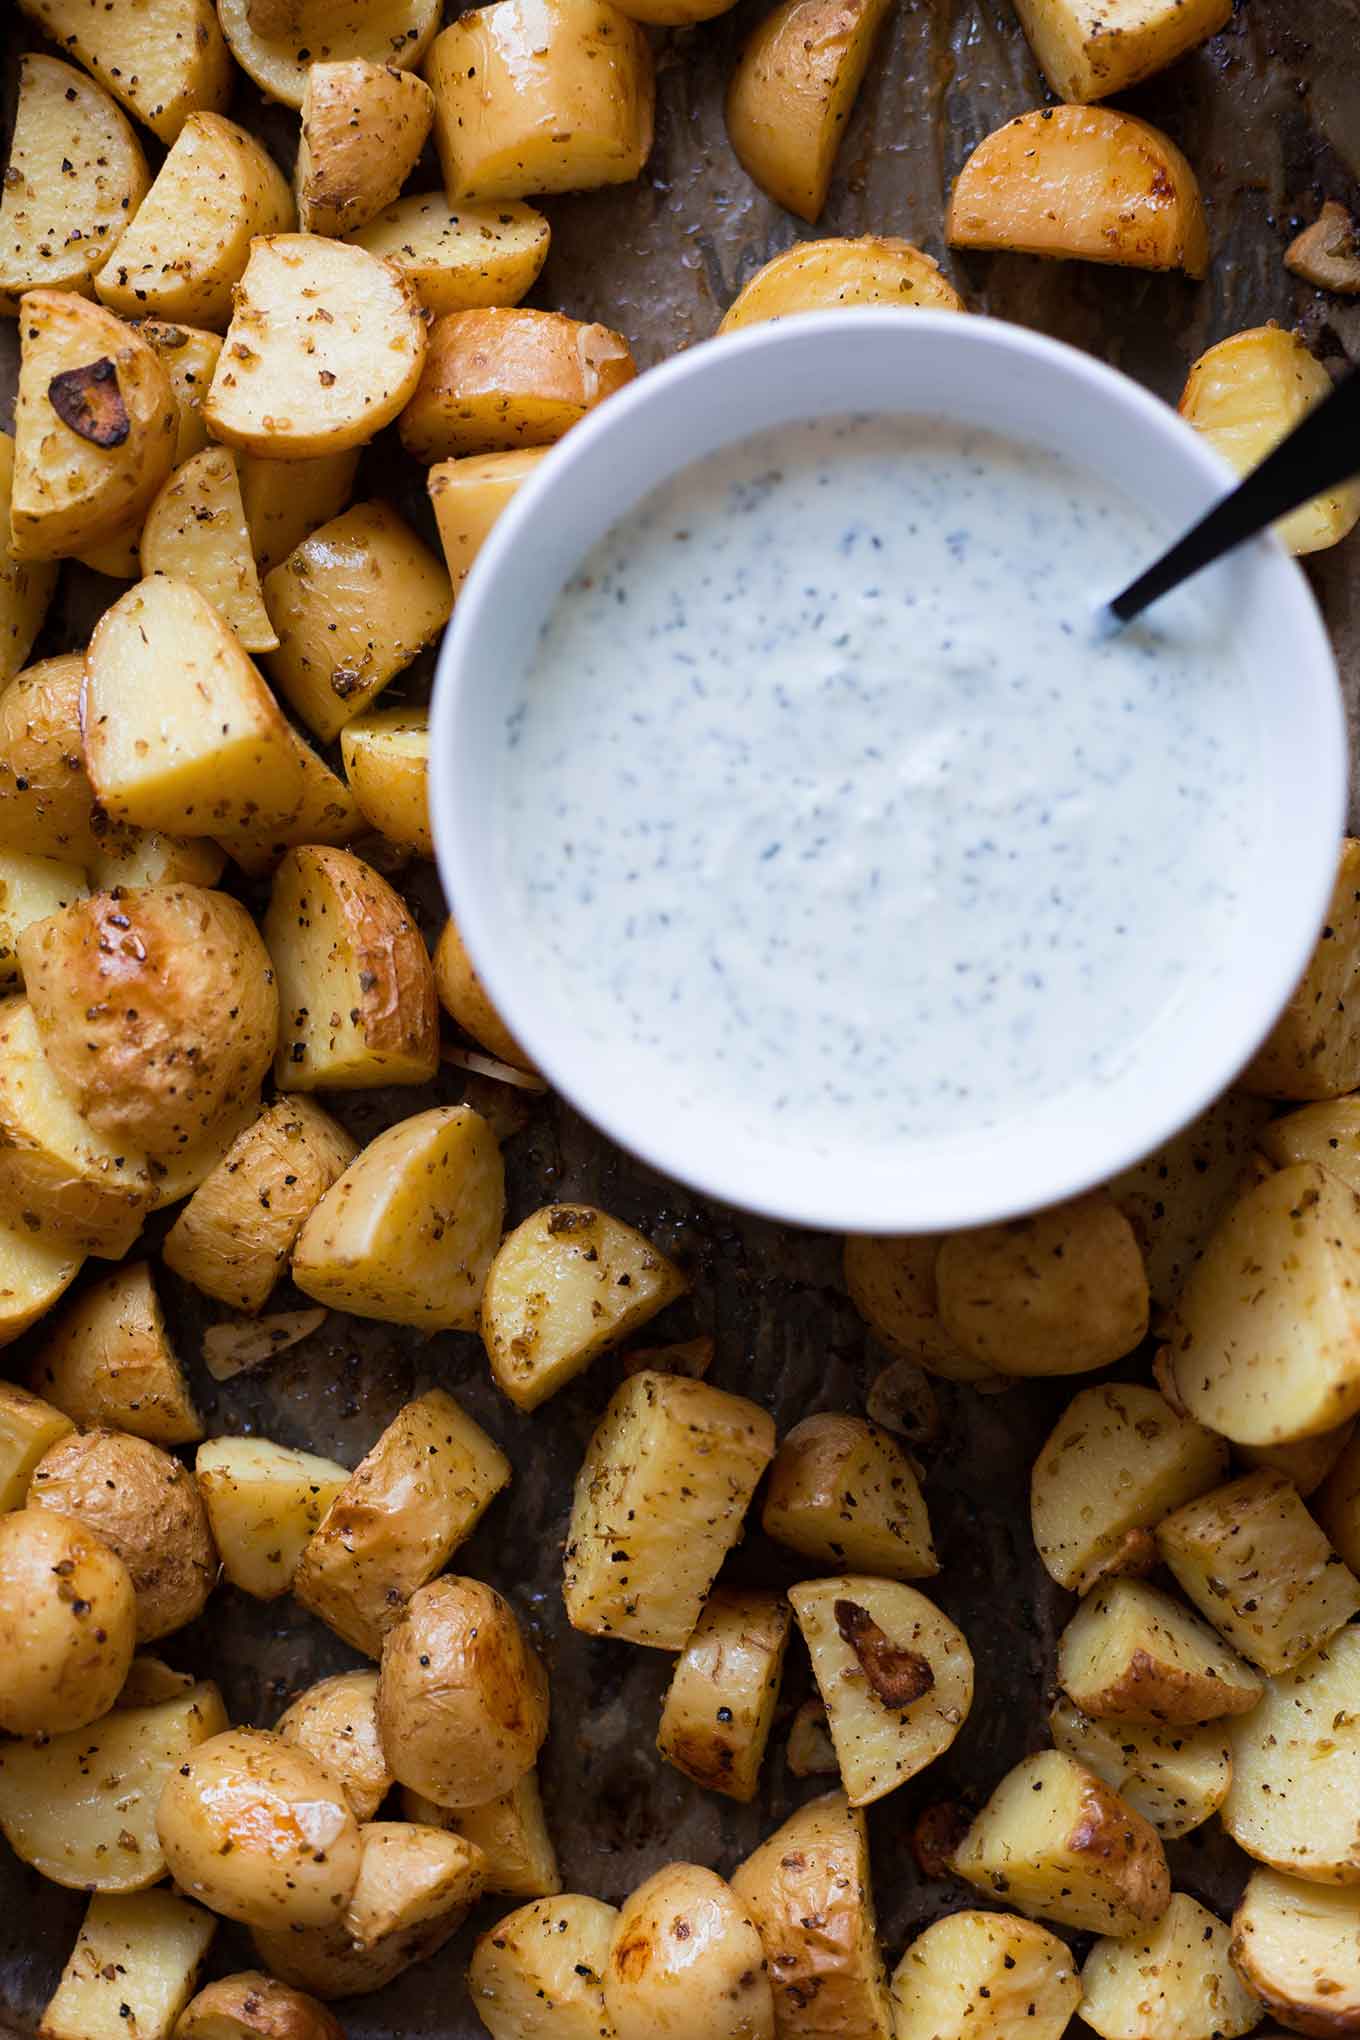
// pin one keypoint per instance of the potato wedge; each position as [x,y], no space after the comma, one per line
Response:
[539,1974]
[325,347]
[540,96]
[48,807]
[33,1276]
[565,1285]
[685,1960]
[277,54]
[720,1703]
[984,1976]
[1175,1979]
[469,495]
[1313,1050]
[1053,1839]
[31,888]
[188,246]
[1296,1769]
[891,1281]
[1082,184]
[75,178]
[1306,1462]
[356,989]
[286,500]
[1265,1341]
[25,585]
[1132,1652]
[1338,1505]
[508,377]
[28,1425]
[109,1362]
[195,531]
[404,1511]
[1116,1462]
[67,1620]
[463,997]
[1088,53]
[793,91]
[826,276]
[363,128]
[132,1970]
[164,62]
[1177,1778]
[1243,396]
[264,1503]
[1326,253]
[808,1890]
[1297,1948]
[94,426]
[238,1344]
[81,1807]
[386,756]
[1175,1197]
[842,1491]
[190,356]
[137,858]
[511,1831]
[253,2006]
[336,1721]
[458,259]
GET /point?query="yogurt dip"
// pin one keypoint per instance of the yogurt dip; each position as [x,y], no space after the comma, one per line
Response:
[823,799]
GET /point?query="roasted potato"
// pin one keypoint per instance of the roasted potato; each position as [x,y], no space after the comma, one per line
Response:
[277,44]
[25,586]
[237,1344]
[1338,1505]
[1297,1949]
[463,997]
[253,2006]
[264,1503]
[565,1285]
[1089,53]
[386,756]
[1306,1461]
[1175,1196]
[1296,1768]
[686,1961]
[1313,1050]
[984,1976]
[254,1827]
[458,259]
[1053,1839]
[68,1619]
[356,989]
[138,858]
[1243,396]
[539,96]
[190,356]
[1132,1652]
[827,276]
[1265,1341]
[511,1831]
[842,1491]
[151,1681]
[75,178]
[336,1721]
[1175,1978]
[400,1517]
[28,1425]
[94,426]
[792,93]
[1177,1778]
[363,128]
[720,1703]
[1086,184]
[462,1697]
[48,807]
[807,1889]
[132,1970]
[507,377]
[34,1274]
[660,1500]
[539,1974]
[285,501]
[1326,253]
[31,888]
[196,531]
[891,1281]
[81,1807]
[325,347]
[144,1505]
[164,61]
[234,1237]
[1327,1133]
[109,1362]
[352,605]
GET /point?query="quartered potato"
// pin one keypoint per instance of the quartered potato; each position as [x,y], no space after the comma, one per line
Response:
[1327,1133]
[164,59]
[108,1362]
[1296,1947]
[1338,1506]
[1306,1462]
[505,378]
[67,1623]
[538,96]
[539,1974]
[1082,183]
[285,501]
[1313,1050]
[1177,1778]
[264,1503]
[48,808]
[336,1721]
[277,41]
[984,1976]
[720,1704]
[33,1275]
[463,997]
[363,128]
[190,356]
[685,1960]
[459,258]
[511,1831]
[138,858]
[75,177]
[132,1970]
[1296,1768]
[31,889]
[842,1491]
[1089,52]
[891,1282]
[825,276]
[196,531]
[1132,1652]
[28,1425]
[386,756]
[1175,1980]
[253,2006]
[469,494]
[792,93]
[25,585]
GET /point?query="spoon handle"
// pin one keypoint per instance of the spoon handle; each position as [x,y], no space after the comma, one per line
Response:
[1320,453]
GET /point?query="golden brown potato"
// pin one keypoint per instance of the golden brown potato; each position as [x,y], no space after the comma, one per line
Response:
[1132,1652]
[842,1491]
[507,377]
[400,1517]
[146,1508]
[984,1976]
[25,587]
[132,1970]
[68,1619]
[190,356]
[459,259]
[34,1274]
[253,2006]
[286,500]
[463,997]
[234,1237]
[660,1500]
[256,1829]
[539,96]
[792,94]
[196,531]
[1089,53]
[511,1832]
[81,1807]
[31,888]
[1327,1133]
[137,858]
[809,1751]
[891,1282]
[1297,1948]
[356,989]
[150,1682]
[720,1703]
[462,1698]
[276,44]
[109,1362]
[1306,1461]
[291,385]
[76,176]
[386,756]
[685,1960]
[237,1344]
[469,494]
[1176,1978]
[1296,1769]
[1053,1839]
[164,61]
[264,1503]
[94,426]
[1243,396]
[336,1721]
[826,276]
[1086,184]
[28,1426]
[807,1889]
[157,1010]
[1177,1778]
[363,128]
[539,1974]
[47,805]
[1313,1050]
[352,605]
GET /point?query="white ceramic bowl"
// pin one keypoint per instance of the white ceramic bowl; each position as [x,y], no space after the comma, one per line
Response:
[978,372]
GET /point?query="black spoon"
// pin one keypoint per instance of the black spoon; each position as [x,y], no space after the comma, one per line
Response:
[1320,453]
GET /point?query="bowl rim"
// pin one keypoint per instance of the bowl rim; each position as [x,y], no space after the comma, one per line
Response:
[464,865]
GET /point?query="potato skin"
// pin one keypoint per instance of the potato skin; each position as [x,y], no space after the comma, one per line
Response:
[791,95]
[1313,1050]
[509,377]
[157,1009]
[833,275]
[253,2006]
[463,997]
[363,128]
[336,1721]
[108,1361]
[68,1619]
[539,1971]
[687,1962]
[47,804]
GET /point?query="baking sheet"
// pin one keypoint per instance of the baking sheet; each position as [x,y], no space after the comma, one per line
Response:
[1269,113]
